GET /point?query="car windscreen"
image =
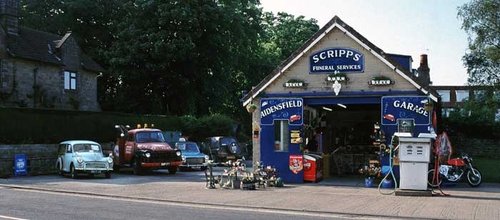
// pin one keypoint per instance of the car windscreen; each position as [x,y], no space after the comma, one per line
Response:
[149,136]
[188,147]
[228,141]
[87,148]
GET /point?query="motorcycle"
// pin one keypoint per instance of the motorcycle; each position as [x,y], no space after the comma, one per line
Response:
[454,171]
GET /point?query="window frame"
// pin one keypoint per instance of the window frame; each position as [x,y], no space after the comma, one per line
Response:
[70,80]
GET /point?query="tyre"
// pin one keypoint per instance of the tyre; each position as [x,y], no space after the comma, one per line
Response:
[73,172]
[203,168]
[107,175]
[430,177]
[137,168]
[474,177]
[59,169]
[172,170]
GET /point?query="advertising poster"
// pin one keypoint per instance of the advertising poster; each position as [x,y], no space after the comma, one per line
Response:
[296,163]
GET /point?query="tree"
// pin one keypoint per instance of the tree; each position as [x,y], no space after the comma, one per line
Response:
[478,116]
[481,20]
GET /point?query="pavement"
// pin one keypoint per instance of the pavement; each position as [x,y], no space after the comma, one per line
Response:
[337,196]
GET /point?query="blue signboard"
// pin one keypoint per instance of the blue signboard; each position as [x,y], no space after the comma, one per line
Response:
[20,164]
[290,109]
[337,59]
[405,107]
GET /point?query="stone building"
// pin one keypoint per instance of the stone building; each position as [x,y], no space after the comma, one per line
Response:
[43,70]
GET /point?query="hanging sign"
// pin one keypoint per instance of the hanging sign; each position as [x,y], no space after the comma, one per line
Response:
[296,163]
[290,109]
[405,107]
[336,59]
[295,137]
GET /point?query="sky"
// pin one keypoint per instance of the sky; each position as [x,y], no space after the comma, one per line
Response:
[405,27]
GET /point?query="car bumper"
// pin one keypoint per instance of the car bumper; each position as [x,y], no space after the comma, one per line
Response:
[199,165]
[93,170]
[158,165]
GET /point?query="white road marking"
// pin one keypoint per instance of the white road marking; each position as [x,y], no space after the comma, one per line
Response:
[13,218]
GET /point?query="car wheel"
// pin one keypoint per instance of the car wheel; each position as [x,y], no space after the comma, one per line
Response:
[203,168]
[60,170]
[137,168]
[107,175]
[172,170]
[73,172]
[183,169]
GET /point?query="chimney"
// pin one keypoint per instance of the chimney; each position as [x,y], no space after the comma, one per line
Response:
[423,71]
[9,11]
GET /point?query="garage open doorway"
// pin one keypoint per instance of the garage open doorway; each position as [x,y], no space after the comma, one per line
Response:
[344,132]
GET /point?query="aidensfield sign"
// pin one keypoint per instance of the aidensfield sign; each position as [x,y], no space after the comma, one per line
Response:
[336,59]
[290,109]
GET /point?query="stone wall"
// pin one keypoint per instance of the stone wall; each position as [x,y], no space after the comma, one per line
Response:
[37,85]
[41,157]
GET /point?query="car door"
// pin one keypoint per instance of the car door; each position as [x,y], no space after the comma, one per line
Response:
[61,150]
[68,157]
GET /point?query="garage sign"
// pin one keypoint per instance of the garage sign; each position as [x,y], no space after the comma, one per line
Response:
[405,107]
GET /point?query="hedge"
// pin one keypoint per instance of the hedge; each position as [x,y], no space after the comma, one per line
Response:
[28,126]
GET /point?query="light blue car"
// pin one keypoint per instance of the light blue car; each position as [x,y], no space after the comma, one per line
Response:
[83,157]
[192,158]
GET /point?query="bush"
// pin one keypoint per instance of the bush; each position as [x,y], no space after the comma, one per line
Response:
[27,126]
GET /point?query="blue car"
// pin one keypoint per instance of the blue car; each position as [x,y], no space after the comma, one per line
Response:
[192,158]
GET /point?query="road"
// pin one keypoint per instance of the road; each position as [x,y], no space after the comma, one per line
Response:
[32,204]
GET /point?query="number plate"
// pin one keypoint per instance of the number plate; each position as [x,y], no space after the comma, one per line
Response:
[163,164]
[95,171]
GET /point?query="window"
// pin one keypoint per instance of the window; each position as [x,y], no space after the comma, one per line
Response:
[445,95]
[497,115]
[281,135]
[446,112]
[62,149]
[462,95]
[69,80]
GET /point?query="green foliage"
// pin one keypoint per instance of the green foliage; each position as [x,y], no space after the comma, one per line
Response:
[488,168]
[50,126]
[174,57]
[477,116]
[481,20]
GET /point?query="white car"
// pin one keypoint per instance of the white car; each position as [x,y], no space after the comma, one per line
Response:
[83,157]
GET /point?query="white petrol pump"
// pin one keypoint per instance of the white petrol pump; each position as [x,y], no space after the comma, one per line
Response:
[414,159]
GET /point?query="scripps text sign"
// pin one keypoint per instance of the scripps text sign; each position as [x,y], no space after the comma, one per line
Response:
[290,109]
[337,59]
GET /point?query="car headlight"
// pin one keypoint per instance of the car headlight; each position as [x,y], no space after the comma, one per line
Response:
[147,154]
[79,160]
[110,160]
[178,153]
[184,158]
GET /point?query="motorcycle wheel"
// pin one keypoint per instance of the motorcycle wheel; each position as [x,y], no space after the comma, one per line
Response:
[473,179]
[430,176]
